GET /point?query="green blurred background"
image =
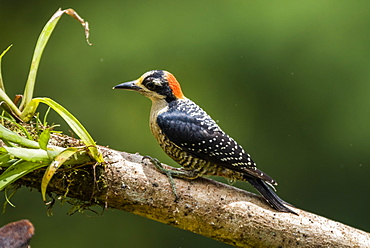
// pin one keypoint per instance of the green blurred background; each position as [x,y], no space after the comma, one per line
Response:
[288,80]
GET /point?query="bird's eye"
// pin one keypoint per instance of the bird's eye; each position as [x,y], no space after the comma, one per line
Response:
[150,85]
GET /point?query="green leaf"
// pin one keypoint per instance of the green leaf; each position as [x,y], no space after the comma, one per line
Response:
[10,136]
[40,45]
[7,199]
[54,166]
[1,77]
[4,97]
[34,155]
[28,135]
[5,160]
[16,171]
[44,139]
[75,125]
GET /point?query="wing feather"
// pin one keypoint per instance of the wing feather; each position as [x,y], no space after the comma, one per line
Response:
[200,136]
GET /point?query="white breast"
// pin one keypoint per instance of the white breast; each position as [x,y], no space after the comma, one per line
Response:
[158,107]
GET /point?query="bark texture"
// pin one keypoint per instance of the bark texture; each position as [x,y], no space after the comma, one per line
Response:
[209,208]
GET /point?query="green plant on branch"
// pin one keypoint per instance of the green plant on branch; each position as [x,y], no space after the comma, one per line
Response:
[24,153]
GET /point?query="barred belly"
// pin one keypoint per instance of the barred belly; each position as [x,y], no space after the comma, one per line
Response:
[186,160]
[190,163]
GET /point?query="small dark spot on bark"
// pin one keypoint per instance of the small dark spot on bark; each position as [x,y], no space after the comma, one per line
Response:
[173,223]
[155,184]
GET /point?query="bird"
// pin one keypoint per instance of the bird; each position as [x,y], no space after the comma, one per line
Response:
[189,136]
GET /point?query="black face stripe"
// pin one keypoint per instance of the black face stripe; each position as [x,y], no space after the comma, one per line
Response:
[158,83]
[149,81]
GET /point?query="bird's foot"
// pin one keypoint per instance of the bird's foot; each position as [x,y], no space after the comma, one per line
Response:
[169,173]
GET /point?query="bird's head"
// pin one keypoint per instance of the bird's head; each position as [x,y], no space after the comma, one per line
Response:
[156,85]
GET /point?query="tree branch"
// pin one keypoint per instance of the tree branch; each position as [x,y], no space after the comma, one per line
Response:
[206,207]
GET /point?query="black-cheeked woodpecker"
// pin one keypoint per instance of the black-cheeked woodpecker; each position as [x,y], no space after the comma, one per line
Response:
[193,139]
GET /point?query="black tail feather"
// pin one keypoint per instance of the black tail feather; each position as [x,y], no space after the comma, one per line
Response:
[270,196]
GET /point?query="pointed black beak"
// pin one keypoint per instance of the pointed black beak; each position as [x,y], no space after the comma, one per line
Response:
[128,86]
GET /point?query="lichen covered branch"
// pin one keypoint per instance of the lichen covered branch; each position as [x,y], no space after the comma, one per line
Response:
[209,208]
